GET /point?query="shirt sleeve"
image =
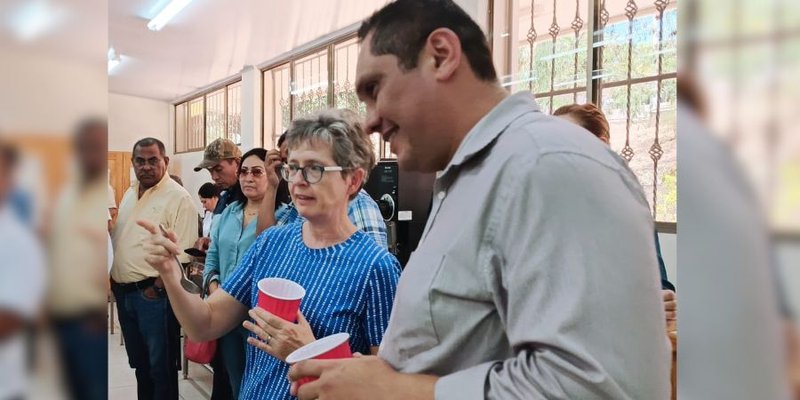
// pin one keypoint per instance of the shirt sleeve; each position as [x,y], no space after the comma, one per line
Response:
[184,223]
[365,214]
[110,251]
[286,214]
[211,270]
[240,283]
[552,259]
[112,200]
[381,289]
[662,268]
[24,260]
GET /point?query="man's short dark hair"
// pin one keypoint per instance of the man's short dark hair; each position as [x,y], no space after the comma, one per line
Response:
[208,191]
[149,141]
[9,155]
[401,28]
[282,138]
[88,126]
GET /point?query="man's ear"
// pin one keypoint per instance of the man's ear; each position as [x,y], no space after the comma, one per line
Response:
[166,160]
[442,53]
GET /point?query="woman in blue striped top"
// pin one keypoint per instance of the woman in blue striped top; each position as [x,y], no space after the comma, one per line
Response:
[350,281]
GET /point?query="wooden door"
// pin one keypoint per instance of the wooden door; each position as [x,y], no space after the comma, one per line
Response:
[53,152]
[119,167]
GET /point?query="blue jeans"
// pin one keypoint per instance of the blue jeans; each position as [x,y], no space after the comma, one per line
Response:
[151,341]
[83,343]
[233,345]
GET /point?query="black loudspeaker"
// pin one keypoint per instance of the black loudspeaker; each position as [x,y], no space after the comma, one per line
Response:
[382,186]
[404,199]
[414,199]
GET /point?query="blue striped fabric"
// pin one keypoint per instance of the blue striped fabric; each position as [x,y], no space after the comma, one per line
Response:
[350,287]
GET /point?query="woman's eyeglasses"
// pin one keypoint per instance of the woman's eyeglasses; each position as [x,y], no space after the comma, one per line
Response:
[256,172]
[311,173]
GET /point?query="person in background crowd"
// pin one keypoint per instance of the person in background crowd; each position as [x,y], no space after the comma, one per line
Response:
[77,298]
[112,207]
[222,159]
[177,179]
[24,285]
[282,196]
[209,196]
[148,325]
[234,231]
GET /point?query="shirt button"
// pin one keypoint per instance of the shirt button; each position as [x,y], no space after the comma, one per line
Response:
[441,195]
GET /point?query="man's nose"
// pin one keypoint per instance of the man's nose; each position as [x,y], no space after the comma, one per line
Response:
[373,121]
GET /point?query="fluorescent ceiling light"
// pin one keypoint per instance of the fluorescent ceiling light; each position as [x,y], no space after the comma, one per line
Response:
[167,13]
[34,19]
[113,59]
[112,64]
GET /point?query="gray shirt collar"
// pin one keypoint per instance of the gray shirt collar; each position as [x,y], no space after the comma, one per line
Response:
[490,127]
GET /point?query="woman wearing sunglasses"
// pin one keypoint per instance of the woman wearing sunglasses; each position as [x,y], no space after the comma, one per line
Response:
[350,280]
[232,234]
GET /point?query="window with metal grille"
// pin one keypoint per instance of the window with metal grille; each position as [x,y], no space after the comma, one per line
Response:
[618,54]
[744,58]
[321,79]
[209,116]
[310,84]
[277,101]
[233,122]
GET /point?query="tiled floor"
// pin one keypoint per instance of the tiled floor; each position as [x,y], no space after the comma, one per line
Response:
[122,381]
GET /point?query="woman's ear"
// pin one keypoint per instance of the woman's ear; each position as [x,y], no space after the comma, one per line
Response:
[356,182]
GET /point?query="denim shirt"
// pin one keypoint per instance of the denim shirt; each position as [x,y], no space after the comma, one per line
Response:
[363,212]
[229,242]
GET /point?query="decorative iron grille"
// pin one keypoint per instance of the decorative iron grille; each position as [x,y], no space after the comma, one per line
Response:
[631,59]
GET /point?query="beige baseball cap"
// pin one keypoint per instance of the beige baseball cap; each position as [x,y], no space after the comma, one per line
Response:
[218,150]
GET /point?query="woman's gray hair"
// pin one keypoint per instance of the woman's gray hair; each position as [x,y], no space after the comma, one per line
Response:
[342,130]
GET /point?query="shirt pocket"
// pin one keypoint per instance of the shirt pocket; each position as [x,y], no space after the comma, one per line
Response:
[412,321]
[458,298]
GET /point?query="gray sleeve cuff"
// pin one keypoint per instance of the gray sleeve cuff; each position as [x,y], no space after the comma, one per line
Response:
[468,384]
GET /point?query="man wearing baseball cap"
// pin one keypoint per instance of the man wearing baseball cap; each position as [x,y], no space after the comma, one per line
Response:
[221,158]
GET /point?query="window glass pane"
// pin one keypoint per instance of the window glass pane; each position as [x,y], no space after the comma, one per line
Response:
[181,129]
[344,89]
[345,60]
[196,124]
[234,120]
[310,84]
[551,54]
[636,42]
[215,115]
[277,103]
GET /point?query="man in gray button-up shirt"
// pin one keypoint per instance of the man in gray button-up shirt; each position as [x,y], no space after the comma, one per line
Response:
[535,277]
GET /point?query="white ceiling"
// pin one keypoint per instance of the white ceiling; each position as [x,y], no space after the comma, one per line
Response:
[71,29]
[211,40]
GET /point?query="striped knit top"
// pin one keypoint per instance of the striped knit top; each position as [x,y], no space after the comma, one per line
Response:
[350,287]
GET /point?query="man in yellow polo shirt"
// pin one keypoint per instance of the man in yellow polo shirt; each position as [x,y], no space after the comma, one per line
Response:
[145,316]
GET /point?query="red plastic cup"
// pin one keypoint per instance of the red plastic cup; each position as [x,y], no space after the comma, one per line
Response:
[331,347]
[281,297]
